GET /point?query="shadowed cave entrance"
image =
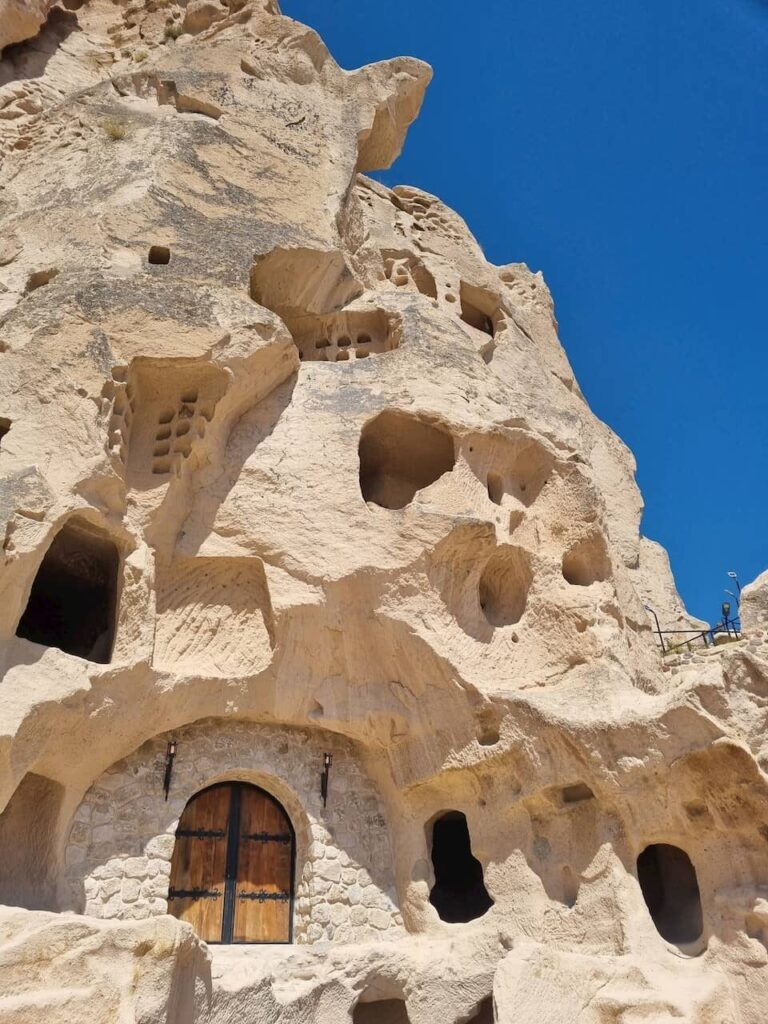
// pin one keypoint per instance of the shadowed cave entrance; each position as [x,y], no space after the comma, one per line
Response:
[73,601]
[400,455]
[484,1013]
[671,890]
[459,894]
[383,1011]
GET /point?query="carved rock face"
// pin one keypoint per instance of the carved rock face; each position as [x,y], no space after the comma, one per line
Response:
[295,483]
[21,19]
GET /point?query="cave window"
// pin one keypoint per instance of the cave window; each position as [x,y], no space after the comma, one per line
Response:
[73,601]
[587,562]
[400,455]
[671,891]
[382,1011]
[159,254]
[475,318]
[472,301]
[503,586]
[459,892]
[5,426]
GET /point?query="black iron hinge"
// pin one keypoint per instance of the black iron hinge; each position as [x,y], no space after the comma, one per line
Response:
[200,833]
[193,894]
[268,837]
[263,896]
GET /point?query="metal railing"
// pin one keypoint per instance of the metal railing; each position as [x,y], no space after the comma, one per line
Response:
[705,637]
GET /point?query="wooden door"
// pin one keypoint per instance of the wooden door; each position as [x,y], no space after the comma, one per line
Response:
[264,870]
[232,866]
[199,863]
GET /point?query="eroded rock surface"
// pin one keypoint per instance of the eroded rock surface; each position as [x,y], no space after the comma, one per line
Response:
[305,518]
[21,19]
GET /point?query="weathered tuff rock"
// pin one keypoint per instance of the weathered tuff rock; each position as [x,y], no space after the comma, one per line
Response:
[754,603]
[336,489]
[21,19]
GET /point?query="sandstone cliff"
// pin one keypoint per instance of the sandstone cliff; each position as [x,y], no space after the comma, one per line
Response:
[336,491]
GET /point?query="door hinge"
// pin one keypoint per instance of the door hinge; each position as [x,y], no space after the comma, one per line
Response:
[267,837]
[201,833]
[193,894]
[263,896]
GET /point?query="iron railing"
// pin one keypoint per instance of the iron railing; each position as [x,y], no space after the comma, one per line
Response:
[705,637]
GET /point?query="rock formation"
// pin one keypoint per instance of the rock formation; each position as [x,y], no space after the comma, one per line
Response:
[323,627]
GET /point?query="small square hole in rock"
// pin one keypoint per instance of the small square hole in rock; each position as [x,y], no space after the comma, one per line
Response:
[159,254]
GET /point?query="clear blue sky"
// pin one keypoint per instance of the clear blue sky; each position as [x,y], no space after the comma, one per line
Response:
[621,147]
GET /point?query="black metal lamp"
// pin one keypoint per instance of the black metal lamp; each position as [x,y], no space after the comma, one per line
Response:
[327,762]
[170,755]
[726,612]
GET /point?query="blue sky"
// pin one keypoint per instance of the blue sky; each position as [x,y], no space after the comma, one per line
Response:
[622,149]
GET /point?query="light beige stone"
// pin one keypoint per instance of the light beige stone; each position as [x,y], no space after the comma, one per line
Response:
[201,14]
[335,472]
[754,605]
[21,19]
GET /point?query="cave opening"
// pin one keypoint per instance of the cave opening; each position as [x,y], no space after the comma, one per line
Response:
[29,828]
[401,455]
[478,308]
[484,1013]
[160,255]
[73,601]
[459,894]
[671,891]
[382,1011]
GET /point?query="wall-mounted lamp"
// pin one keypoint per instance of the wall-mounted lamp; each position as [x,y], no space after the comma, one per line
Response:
[327,762]
[726,612]
[170,754]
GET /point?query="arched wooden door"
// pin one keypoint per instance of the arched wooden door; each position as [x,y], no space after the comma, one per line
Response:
[232,866]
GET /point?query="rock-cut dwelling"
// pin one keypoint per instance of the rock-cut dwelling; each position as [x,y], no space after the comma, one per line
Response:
[337,681]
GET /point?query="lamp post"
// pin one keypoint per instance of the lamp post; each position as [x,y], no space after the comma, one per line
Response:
[658,627]
[726,609]
[735,579]
[737,621]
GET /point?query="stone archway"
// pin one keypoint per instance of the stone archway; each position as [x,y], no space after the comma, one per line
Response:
[121,844]
[232,869]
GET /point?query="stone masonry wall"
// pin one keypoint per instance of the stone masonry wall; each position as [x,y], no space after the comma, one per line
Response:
[118,855]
